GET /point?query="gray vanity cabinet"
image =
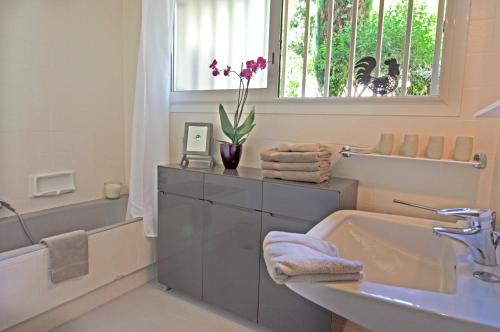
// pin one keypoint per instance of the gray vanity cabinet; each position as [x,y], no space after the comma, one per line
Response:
[211,225]
[180,229]
[231,259]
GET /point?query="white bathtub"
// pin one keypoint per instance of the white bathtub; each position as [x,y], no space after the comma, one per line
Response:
[117,248]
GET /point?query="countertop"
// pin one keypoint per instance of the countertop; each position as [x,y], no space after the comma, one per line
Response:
[335,184]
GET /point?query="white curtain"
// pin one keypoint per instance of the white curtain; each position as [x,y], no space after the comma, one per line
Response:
[150,127]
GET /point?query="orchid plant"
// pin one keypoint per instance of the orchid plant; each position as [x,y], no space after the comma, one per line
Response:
[237,133]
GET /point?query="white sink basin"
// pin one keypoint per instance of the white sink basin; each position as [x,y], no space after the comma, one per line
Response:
[413,280]
[394,252]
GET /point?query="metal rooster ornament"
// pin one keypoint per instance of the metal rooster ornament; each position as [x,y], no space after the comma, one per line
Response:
[379,85]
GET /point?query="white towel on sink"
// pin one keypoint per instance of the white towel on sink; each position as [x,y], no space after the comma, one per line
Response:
[301,239]
[307,259]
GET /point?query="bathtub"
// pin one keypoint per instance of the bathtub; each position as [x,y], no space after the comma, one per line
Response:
[117,248]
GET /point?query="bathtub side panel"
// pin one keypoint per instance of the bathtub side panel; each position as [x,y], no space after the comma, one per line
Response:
[113,254]
[20,288]
[146,248]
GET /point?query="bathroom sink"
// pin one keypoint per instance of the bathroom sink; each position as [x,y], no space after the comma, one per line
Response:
[413,280]
[394,252]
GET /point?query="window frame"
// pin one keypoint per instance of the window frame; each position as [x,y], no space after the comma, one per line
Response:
[267,101]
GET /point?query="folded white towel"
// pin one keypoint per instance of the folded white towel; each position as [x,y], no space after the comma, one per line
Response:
[301,147]
[314,177]
[290,262]
[323,154]
[320,277]
[321,166]
[301,239]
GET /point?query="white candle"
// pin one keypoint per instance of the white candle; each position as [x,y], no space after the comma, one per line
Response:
[112,190]
[386,144]
[434,148]
[463,148]
[409,148]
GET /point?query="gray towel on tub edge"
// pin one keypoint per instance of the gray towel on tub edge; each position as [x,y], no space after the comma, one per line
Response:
[68,255]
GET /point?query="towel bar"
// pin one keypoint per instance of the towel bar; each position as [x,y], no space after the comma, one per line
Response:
[479,160]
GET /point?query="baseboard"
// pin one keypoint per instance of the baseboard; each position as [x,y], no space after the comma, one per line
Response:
[55,317]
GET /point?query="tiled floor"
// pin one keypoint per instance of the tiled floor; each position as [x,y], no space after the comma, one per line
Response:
[149,309]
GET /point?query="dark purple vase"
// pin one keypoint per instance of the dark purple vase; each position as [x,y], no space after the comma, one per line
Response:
[231,154]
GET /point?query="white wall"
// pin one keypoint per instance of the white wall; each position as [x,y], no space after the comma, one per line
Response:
[131,36]
[66,94]
[495,199]
[381,181]
[66,69]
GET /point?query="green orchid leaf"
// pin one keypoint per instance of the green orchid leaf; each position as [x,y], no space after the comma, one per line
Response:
[243,141]
[247,126]
[236,138]
[250,118]
[226,125]
[244,130]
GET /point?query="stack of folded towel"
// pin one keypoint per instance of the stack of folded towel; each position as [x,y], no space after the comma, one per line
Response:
[292,257]
[309,162]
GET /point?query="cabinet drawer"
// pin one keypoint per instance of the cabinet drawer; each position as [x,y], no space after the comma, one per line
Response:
[299,202]
[234,191]
[180,182]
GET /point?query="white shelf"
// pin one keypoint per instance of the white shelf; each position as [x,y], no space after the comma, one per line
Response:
[490,111]
[479,160]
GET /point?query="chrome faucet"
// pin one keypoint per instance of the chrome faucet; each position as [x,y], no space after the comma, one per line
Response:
[479,236]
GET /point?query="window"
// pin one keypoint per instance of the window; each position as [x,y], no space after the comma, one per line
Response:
[230,31]
[324,40]
[313,70]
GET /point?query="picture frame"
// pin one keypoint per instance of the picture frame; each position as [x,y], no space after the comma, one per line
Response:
[197,143]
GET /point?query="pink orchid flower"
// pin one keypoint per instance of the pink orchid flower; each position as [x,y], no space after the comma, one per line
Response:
[261,63]
[213,65]
[252,65]
[247,73]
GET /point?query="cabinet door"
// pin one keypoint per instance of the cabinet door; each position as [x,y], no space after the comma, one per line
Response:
[281,309]
[231,248]
[180,243]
